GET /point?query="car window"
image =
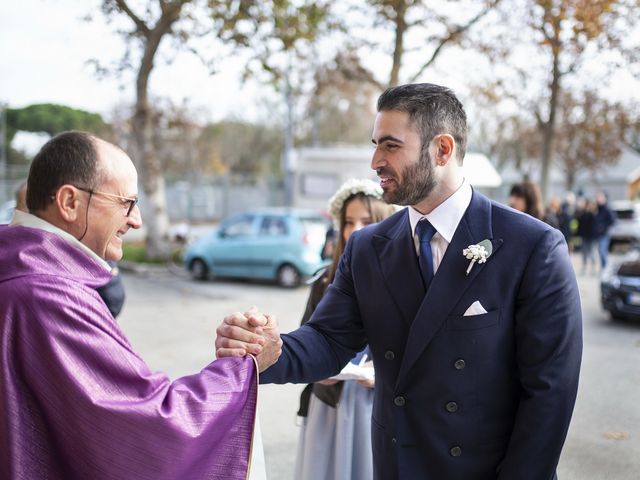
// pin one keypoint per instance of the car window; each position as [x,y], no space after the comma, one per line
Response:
[315,226]
[240,227]
[624,214]
[273,226]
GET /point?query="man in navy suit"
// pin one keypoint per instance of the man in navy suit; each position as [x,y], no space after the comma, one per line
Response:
[477,362]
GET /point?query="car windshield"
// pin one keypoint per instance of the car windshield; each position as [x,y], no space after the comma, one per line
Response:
[315,227]
[626,214]
[630,269]
[240,226]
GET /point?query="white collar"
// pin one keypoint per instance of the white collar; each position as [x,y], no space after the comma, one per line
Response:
[29,220]
[446,216]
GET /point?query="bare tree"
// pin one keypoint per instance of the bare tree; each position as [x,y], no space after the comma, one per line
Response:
[552,46]
[249,24]
[416,28]
[591,135]
[149,28]
[414,34]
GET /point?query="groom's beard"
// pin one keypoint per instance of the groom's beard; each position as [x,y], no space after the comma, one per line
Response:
[418,181]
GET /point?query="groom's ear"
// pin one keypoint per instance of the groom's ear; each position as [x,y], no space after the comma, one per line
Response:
[445,145]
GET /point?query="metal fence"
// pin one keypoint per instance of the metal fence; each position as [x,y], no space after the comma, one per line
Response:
[208,200]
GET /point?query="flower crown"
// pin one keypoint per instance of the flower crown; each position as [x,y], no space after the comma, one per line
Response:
[350,188]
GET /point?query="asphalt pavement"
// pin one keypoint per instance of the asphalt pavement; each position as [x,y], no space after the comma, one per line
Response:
[171,320]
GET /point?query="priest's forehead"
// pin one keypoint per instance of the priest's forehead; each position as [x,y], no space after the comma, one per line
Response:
[113,163]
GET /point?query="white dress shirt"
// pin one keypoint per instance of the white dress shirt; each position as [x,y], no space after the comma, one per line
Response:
[445,219]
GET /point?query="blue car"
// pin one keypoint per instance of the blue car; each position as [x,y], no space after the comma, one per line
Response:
[283,245]
[620,286]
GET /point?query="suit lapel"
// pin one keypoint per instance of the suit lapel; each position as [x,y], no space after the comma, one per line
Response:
[399,264]
[450,281]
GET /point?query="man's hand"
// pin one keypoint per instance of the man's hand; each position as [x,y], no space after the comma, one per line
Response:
[251,332]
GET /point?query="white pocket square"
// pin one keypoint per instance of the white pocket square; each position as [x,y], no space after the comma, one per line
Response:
[476,308]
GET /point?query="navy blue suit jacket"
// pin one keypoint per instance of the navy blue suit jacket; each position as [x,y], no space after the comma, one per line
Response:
[457,397]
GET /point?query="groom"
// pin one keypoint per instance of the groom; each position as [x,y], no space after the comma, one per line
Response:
[476,364]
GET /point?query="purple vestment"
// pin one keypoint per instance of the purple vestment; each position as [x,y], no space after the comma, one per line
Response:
[76,402]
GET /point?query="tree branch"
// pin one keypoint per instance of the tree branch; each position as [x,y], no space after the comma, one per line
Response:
[140,25]
[453,35]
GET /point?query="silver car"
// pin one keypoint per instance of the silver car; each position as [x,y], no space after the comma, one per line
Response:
[625,232]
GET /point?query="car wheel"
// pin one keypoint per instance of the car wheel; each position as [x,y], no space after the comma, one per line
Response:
[199,269]
[288,276]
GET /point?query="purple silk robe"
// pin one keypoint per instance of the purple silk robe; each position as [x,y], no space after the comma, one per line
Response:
[76,402]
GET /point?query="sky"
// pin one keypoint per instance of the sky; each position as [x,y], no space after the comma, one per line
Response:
[46,47]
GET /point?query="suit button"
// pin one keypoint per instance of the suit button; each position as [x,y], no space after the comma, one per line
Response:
[455,451]
[459,364]
[451,407]
[389,355]
[399,401]
[393,440]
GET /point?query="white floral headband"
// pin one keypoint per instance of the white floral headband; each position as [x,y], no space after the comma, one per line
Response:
[348,189]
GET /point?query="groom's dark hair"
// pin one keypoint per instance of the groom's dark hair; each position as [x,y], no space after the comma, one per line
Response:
[432,108]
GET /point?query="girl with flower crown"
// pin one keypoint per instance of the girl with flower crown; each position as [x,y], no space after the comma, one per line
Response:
[335,440]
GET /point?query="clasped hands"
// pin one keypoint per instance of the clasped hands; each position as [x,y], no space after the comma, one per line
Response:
[250,332]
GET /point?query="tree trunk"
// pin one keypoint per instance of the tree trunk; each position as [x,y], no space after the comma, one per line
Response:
[548,127]
[156,218]
[570,180]
[398,49]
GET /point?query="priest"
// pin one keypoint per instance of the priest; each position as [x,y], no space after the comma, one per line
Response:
[76,402]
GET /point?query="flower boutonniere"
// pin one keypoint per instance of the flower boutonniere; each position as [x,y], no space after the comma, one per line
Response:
[478,253]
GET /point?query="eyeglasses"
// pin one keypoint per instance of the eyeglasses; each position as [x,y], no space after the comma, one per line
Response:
[128,202]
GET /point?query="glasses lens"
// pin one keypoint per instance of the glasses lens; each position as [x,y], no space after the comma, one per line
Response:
[132,203]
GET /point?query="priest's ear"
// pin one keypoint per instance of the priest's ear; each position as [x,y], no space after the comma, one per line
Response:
[68,202]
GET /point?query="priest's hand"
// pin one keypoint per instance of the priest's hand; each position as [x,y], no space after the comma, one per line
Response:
[250,332]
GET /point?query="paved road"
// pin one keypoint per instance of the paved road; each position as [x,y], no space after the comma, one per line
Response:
[171,322]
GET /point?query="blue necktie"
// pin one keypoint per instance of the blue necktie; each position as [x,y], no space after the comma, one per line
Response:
[425,231]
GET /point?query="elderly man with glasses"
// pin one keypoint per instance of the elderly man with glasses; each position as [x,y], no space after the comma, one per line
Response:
[75,400]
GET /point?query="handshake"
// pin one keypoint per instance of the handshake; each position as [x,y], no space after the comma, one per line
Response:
[250,332]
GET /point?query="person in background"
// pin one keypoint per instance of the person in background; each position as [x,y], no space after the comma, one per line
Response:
[567,218]
[113,292]
[552,214]
[329,244]
[21,197]
[603,220]
[525,197]
[335,437]
[76,401]
[586,232]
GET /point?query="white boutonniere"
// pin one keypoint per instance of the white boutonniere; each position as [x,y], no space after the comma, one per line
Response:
[478,253]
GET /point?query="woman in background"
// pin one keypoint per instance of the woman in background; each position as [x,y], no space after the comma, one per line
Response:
[525,197]
[335,440]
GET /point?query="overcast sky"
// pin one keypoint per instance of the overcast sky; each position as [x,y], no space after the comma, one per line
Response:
[46,46]
[44,54]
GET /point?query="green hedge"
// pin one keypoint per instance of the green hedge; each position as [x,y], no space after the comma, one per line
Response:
[136,252]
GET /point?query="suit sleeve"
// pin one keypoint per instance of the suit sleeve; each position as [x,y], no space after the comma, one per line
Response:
[333,335]
[548,335]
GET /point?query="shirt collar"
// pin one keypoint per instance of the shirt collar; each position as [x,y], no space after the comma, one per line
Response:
[29,220]
[446,216]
